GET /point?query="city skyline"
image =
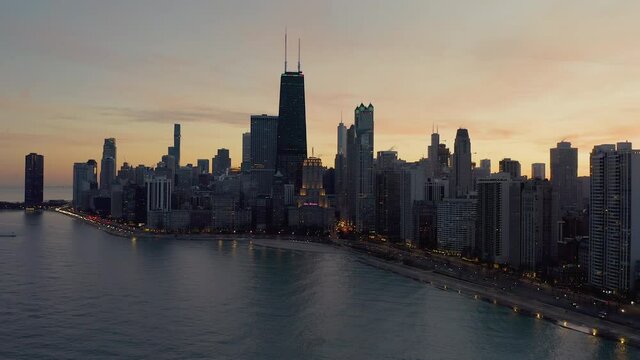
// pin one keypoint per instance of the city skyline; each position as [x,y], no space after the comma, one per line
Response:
[541,70]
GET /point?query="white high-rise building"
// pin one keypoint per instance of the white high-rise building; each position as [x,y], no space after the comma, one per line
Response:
[159,193]
[614,233]
[456,225]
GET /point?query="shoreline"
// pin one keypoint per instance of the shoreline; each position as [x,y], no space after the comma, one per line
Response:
[535,308]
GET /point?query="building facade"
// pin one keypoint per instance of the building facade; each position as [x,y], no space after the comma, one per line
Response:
[33,180]
[614,234]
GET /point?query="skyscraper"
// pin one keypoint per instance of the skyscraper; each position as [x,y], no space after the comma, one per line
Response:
[292,126]
[485,164]
[433,154]
[456,220]
[245,166]
[498,224]
[175,149]
[312,191]
[614,234]
[203,166]
[33,180]
[389,182]
[538,247]
[221,162]
[564,174]
[480,172]
[108,165]
[538,171]
[84,180]
[340,166]
[264,140]
[264,147]
[461,165]
[511,167]
[365,201]
[342,139]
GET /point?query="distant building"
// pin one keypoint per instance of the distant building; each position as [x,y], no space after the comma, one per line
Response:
[538,171]
[84,181]
[481,172]
[221,162]
[511,167]
[583,192]
[389,192]
[461,182]
[159,190]
[362,159]
[312,212]
[485,164]
[175,149]
[456,220]
[33,180]
[342,139]
[564,175]
[614,235]
[203,166]
[292,127]
[433,155]
[245,166]
[498,224]
[312,191]
[538,249]
[264,147]
[108,166]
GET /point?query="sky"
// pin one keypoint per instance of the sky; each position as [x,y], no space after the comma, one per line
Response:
[520,75]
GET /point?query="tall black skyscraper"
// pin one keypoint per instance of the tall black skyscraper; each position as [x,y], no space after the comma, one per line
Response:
[33,179]
[175,149]
[292,126]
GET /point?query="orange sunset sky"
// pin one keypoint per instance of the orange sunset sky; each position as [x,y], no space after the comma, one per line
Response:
[520,75]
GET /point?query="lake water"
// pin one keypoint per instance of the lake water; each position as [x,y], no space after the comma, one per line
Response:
[16,193]
[68,290]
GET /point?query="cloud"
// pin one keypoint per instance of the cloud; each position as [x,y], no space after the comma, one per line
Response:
[166,116]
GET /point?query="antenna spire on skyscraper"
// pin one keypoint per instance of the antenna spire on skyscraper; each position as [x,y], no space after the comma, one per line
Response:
[299,55]
[285,49]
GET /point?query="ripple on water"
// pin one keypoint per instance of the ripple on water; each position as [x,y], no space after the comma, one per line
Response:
[71,291]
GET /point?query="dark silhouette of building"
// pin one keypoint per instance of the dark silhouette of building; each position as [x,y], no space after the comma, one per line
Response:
[511,167]
[33,180]
[264,143]
[175,149]
[245,166]
[564,175]
[461,165]
[538,248]
[221,162]
[292,126]
[108,165]
[364,175]
[388,185]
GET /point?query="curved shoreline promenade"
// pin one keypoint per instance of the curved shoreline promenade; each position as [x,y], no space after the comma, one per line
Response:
[527,306]
[535,308]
